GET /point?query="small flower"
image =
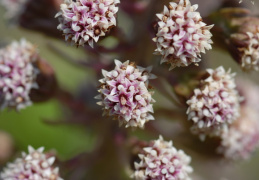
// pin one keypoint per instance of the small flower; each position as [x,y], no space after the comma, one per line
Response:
[17,74]
[215,105]
[126,95]
[36,165]
[13,7]
[242,138]
[85,21]
[161,161]
[181,35]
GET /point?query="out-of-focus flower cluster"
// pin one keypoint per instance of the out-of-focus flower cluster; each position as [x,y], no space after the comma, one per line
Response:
[13,7]
[36,165]
[17,74]
[126,95]
[161,161]
[182,35]
[85,21]
[215,104]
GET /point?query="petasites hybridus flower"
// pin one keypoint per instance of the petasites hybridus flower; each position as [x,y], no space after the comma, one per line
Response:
[215,104]
[182,35]
[125,94]
[17,74]
[242,138]
[35,166]
[13,7]
[85,21]
[162,161]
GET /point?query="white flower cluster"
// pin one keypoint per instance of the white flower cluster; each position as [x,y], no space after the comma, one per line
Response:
[182,36]
[162,161]
[13,7]
[85,21]
[125,94]
[33,166]
[215,104]
[17,74]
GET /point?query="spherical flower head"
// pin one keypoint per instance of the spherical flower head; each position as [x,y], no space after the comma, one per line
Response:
[242,138]
[181,35]
[125,94]
[85,21]
[13,7]
[215,104]
[162,161]
[17,74]
[36,165]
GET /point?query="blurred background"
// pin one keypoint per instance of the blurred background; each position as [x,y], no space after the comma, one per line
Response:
[30,127]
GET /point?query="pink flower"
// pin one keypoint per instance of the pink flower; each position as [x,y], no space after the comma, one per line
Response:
[125,94]
[17,74]
[181,36]
[36,166]
[162,161]
[215,104]
[85,21]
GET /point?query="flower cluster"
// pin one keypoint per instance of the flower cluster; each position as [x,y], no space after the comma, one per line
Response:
[36,166]
[161,161]
[215,104]
[13,7]
[17,74]
[125,94]
[85,21]
[242,138]
[181,36]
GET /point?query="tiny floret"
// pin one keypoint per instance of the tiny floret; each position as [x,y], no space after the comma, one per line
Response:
[17,74]
[182,35]
[35,166]
[215,104]
[126,95]
[85,21]
[162,161]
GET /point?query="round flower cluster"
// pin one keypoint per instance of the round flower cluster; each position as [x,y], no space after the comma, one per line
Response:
[161,161]
[13,7]
[250,54]
[242,138]
[85,21]
[181,36]
[17,74]
[215,105]
[36,166]
[125,94]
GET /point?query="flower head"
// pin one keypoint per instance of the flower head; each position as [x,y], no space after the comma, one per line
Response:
[36,165]
[181,36]
[126,95]
[85,21]
[161,161]
[17,74]
[14,7]
[242,138]
[215,105]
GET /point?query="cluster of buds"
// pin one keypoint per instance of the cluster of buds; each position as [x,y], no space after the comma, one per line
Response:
[17,74]
[13,7]
[215,104]
[161,160]
[182,35]
[36,165]
[85,21]
[125,94]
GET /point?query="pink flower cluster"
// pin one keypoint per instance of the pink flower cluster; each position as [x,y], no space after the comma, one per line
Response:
[215,104]
[181,36]
[162,161]
[85,21]
[34,166]
[125,94]
[13,7]
[17,74]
